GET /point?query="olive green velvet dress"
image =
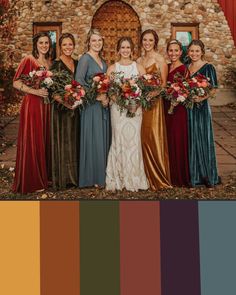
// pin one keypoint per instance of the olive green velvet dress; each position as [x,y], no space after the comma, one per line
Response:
[64,139]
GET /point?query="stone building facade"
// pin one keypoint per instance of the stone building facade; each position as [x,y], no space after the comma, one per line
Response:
[77,16]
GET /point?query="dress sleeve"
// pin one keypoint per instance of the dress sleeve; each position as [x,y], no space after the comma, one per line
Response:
[211,74]
[81,71]
[23,68]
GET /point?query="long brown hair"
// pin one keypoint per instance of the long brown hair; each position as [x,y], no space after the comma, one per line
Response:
[198,43]
[154,33]
[122,39]
[36,37]
[93,32]
[66,35]
[174,41]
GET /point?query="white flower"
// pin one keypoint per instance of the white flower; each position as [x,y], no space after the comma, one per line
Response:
[31,74]
[48,81]
[11,169]
[181,98]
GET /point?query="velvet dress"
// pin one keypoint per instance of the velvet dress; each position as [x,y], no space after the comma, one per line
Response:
[202,157]
[94,129]
[33,143]
[177,135]
[154,143]
[65,139]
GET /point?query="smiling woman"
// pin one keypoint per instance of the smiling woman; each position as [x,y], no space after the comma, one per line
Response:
[33,145]
[94,119]
[64,124]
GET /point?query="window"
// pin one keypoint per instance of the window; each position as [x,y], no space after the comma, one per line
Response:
[54,30]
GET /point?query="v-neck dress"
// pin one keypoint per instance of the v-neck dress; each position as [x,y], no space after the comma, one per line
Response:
[177,135]
[202,157]
[154,143]
[94,129]
[33,143]
[64,137]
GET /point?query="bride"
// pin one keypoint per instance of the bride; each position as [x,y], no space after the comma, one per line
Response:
[125,167]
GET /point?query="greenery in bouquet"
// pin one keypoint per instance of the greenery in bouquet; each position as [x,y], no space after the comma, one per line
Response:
[127,93]
[67,90]
[151,88]
[99,84]
[177,92]
[40,78]
[199,88]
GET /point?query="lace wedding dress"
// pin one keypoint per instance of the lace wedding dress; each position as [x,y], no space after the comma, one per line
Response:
[125,167]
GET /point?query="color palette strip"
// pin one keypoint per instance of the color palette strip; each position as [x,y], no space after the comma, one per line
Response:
[217,223]
[140,265]
[118,248]
[180,248]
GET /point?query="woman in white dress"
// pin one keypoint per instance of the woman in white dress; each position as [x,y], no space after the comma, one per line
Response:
[125,167]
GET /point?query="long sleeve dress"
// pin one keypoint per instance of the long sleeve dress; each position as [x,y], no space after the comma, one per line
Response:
[94,129]
[202,157]
[65,139]
[154,143]
[33,143]
[177,135]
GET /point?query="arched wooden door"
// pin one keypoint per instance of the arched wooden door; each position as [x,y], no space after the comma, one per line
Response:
[116,19]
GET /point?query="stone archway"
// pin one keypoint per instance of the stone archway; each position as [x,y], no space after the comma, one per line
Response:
[116,19]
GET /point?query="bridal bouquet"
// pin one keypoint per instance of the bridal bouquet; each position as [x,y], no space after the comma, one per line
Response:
[149,84]
[67,90]
[130,96]
[99,84]
[177,92]
[40,78]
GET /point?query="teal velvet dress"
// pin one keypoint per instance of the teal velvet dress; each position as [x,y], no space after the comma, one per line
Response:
[94,129]
[202,157]
[64,139]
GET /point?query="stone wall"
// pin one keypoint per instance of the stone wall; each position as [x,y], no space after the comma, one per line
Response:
[76,17]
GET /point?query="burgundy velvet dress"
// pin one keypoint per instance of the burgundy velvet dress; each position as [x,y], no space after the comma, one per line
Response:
[177,136]
[33,144]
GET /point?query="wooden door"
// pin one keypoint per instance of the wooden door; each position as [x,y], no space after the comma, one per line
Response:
[116,19]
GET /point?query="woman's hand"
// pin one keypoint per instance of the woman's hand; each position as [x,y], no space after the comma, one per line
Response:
[105,102]
[132,108]
[152,94]
[42,92]
[102,97]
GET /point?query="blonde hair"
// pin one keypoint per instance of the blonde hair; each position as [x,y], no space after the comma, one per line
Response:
[93,32]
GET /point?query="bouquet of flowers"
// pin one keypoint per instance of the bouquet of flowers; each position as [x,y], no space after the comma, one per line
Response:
[40,78]
[74,94]
[149,84]
[199,88]
[177,92]
[128,94]
[99,84]
[67,90]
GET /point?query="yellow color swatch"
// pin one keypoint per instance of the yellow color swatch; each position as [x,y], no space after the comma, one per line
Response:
[19,248]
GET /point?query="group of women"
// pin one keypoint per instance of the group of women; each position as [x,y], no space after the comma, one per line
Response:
[101,147]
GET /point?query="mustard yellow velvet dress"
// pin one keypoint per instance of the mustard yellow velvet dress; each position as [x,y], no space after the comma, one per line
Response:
[154,143]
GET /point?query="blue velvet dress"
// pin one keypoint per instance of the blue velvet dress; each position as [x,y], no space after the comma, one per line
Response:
[94,129]
[202,157]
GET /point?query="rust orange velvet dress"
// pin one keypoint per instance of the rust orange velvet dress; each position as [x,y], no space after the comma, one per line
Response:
[154,143]
[33,144]
[177,135]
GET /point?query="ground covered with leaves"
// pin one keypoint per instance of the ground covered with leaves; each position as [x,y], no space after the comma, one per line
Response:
[226,190]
